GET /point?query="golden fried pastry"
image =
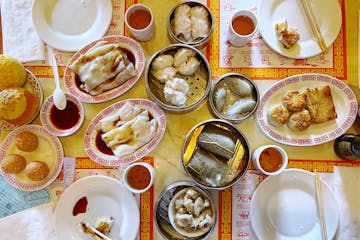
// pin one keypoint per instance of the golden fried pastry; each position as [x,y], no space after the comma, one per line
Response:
[26,141]
[287,36]
[37,170]
[294,100]
[299,121]
[12,72]
[278,115]
[13,163]
[320,104]
[17,105]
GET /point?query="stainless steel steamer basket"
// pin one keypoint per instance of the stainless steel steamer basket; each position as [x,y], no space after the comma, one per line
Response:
[200,82]
[162,221]
[199,43]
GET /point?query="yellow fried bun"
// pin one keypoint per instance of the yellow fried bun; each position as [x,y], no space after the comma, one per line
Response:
[12,72]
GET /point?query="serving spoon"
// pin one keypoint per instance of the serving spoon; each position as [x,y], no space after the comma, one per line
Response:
[58,94]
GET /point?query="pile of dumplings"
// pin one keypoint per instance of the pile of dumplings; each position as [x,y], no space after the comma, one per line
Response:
[234,97]
[166,67]
[191,23]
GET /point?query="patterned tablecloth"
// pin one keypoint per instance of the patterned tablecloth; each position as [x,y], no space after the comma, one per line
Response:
[256,60]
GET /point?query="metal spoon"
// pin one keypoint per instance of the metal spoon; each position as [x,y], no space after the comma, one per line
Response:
[58,95]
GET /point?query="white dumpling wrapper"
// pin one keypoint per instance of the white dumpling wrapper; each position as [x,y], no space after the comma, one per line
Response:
[189,67]
[165,74]
[182,55]
[240,87]
[162,61]
[241,106]
[182,22]
[200,23]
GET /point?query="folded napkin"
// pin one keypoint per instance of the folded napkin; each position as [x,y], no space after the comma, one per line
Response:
[347,192]
[32,224]
[20,39]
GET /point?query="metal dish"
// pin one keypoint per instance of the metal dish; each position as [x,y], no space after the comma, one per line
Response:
[210,168]
[162,221]
[200,43]
[231,98]
[199,82]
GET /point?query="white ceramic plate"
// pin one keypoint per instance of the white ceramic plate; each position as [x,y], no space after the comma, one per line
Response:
[127,43]
[283,207]
[46,113]
[272,12]
[106,197]
[32,84]
[49,151]
[110,160]
[68,25]
[345,103]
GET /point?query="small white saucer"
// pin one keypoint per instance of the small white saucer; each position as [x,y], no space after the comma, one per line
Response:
[45,116]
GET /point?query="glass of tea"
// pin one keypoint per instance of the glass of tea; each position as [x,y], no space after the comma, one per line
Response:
[140,22]
[270,159]
[242,28]
[139,177]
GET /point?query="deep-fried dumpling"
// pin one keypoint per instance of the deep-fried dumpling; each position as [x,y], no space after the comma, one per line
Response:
[189,67]
[241,106]
[182,55]
[240,87]
[165,74]
[182,22]
[200,24]
[162,61]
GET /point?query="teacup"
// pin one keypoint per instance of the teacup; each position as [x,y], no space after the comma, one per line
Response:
[140,22]
[270,159]
[242,28]
[139,177]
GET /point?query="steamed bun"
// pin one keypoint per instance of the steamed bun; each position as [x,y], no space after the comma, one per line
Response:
[12,72]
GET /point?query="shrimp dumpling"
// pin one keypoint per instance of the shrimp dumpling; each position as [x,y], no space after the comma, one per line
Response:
[182,55]
[189,67]
[165,74]
[200,24]
[220,98]
[238,86]
[175,91]
[241,106]
[182,22]
[162,61]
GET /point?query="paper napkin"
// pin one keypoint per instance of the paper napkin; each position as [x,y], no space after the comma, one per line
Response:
[33,224]
[347,192]
[20,39]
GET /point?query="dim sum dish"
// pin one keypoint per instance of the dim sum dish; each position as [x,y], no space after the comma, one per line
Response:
[178,78]
[190,23]
[104,69]
[215,154]
[185,211]
[234,97]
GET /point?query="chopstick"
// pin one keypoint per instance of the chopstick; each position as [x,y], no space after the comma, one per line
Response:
[94,231]
[313,24]
[319,201]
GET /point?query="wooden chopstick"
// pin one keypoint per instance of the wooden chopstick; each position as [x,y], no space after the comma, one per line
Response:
[313,24]
[320,205]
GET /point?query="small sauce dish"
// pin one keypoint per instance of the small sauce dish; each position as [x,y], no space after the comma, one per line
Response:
[139,177]
[270,159]
[62,122]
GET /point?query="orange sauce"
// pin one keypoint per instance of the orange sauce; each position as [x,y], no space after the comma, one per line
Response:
[138,177]
[243,25]
[139,19]
[270,160]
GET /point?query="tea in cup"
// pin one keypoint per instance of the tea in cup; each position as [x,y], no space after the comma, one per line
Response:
[242,28]
[139,177]
[270,159]
[140,22]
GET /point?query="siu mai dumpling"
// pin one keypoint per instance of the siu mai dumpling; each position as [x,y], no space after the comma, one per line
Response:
[182,22]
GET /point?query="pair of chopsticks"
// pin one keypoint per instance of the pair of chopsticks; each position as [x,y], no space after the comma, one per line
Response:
[313,24]
[320,205]
[92,230]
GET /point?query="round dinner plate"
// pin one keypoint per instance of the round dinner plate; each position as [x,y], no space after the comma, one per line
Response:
[345,102]
[106,197]
[126,43]
[49,151]
[68,25]
[111,160]
[32,85]
[284,207]
[329,21]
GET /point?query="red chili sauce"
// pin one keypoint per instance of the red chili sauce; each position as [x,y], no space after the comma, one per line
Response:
[138,177]
[67,118]
[270,160]
[80,206]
